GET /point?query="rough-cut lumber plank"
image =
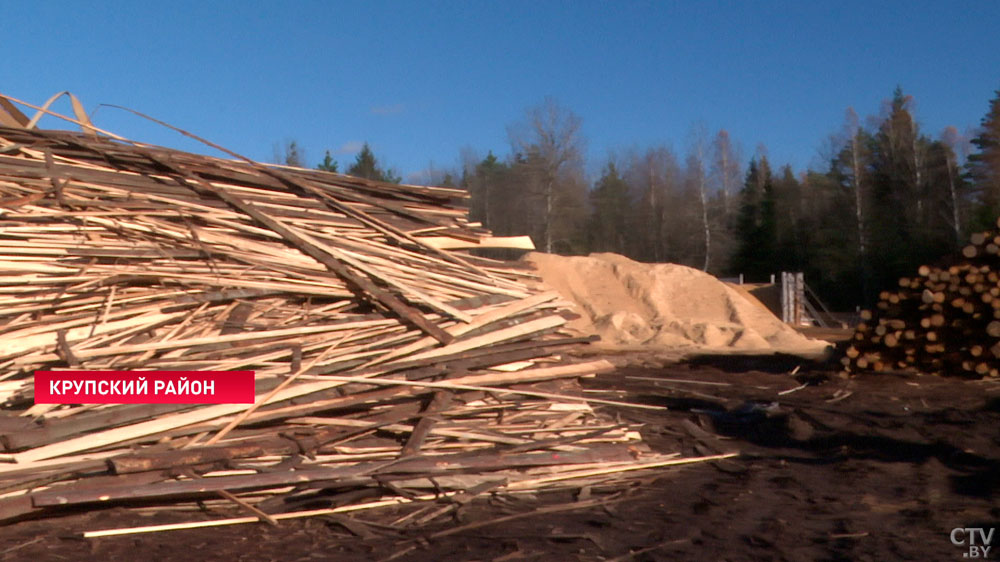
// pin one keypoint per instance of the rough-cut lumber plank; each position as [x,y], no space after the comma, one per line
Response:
[528,328]
[277,517]
[497,390]
[185,457]
[423,427]
[72,495]
[506,311]
[268,445]
[539,374]
[241,337]
[68,495]
[51,432]
[448,243]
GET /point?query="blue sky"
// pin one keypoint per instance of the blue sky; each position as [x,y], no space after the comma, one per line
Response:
[421,80]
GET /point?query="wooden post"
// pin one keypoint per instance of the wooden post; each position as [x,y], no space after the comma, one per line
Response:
[799,297]
[792,298]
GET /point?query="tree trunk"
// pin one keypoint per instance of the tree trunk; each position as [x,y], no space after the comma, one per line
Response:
[704,220]
[725,183]
[956,221]
[548,217]
[486,205]
[654,213]
[859,213]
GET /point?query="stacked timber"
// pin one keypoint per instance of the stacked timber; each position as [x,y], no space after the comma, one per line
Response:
[390,368]
[943,321]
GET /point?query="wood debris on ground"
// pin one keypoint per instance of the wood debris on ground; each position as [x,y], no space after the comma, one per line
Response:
[390,366]
[943,321]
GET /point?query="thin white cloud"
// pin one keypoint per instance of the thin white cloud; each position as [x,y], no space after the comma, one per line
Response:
[387,109]
[421,177]
[350,147]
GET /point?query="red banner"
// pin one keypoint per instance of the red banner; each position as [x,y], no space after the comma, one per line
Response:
[144,387]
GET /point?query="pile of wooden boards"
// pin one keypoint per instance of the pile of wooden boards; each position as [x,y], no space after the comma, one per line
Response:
[943,321]
[389,369]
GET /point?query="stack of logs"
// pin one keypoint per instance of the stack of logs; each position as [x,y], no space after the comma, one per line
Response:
[943,321]
[390,370]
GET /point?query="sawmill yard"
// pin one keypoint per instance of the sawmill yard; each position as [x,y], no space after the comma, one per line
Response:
[414,400]
[872,468]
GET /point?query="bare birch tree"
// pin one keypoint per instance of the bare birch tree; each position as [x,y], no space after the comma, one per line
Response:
[854,146]
[726,170]
[957,149]
[653,177]
[697,175]
[550,136]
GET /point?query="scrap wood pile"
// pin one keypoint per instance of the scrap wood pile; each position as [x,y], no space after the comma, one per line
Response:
[944,321]
[389,369]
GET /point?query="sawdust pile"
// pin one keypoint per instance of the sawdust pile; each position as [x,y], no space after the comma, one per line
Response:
[629,304]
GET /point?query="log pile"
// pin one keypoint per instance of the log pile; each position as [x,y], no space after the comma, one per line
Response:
[389,369]
[943,321]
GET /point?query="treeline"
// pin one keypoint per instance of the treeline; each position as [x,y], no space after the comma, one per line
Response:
[889,199]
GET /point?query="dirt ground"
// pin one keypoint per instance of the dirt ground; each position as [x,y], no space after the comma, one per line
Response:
[872,468]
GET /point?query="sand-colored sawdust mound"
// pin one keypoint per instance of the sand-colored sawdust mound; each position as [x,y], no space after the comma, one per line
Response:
[628,303]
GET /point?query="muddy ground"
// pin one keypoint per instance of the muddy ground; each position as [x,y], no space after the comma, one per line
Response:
[872,468]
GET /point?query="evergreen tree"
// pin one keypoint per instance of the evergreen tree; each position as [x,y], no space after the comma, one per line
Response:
[984,166]
[328,164]
[756,227]
[896,181]
[610,210]
[366,166]
[913,226]
[789,231]
[289,154]
[486,185]
[828,241]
